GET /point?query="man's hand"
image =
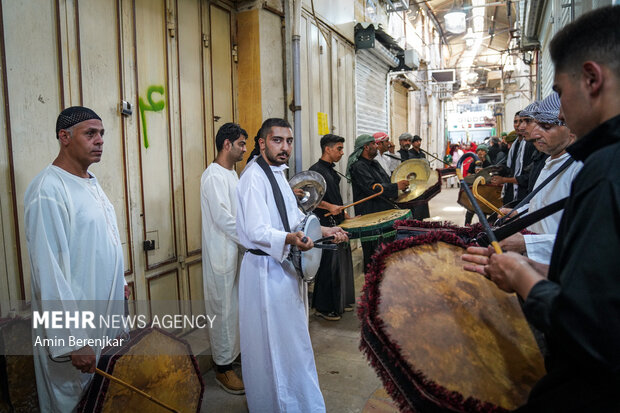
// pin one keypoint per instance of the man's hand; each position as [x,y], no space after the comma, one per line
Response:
[84,359]
[335,209]
[500,180]
[296,239]
[127,292]
[299,193]
[511,272]
[506,211]
[402,185]
[339,234]
[514,243]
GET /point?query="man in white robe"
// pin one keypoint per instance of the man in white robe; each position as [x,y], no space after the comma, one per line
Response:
[385,153]
[75,258]
[277,359]
[552,137]
[220,253]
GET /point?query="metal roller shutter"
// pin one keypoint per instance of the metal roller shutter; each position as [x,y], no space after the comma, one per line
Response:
[371,93]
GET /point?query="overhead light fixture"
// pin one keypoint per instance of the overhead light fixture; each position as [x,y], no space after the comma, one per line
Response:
[455,20]
[469,38]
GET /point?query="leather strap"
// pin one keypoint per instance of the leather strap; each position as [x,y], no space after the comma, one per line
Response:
[277,194]
[550,178]
[257,252]
[515,226]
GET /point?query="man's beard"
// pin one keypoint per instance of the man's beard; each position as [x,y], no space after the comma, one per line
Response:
[273,158]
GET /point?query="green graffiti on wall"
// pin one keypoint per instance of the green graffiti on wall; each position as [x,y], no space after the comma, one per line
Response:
[150,107]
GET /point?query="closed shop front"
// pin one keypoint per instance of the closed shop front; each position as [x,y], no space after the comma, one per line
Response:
[371,93]
[172,61]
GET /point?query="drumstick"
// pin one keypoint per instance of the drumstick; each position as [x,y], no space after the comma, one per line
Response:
[135,389]
[362,200]
[331,237]
[481,217]
[481,181]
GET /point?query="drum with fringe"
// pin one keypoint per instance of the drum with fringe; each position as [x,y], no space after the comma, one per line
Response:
[375,226]
[443,339]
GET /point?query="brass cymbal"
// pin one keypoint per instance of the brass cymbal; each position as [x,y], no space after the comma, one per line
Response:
[420,176]
[314,186]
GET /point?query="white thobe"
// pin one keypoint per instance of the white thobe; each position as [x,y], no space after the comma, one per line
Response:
[540,246]
[220,256]
[75,258]
[387,163]
[279,372]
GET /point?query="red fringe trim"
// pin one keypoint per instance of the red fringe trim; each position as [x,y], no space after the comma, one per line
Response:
[367,312]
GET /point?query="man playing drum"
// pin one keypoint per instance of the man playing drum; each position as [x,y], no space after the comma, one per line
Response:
[552,137]
[364,172]
[277,359]
[574,300]
[333,287]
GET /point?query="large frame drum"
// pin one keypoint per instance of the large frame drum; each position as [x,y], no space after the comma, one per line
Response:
[154,361]
[443,339]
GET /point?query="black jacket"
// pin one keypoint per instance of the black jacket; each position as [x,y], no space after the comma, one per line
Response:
[364,174]
[524,177]
[578,307]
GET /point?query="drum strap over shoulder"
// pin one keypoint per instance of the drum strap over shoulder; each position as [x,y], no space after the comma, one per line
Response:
[550,178]
[523,222]
[277,194]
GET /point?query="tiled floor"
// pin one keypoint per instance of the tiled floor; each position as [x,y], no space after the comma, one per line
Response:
[348,383]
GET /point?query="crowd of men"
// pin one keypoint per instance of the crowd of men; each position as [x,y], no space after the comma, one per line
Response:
[564,147]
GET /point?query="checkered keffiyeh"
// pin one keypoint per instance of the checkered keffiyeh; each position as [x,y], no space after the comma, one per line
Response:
[549,110]
[74,115]
[530,110]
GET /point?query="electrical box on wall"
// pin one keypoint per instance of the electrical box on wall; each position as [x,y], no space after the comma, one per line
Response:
[364,37]
[412,59]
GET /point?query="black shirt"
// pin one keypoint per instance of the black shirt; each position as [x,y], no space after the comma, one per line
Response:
[364,174]
[413,154]
[537,165]
[472,166]
[493,151]
[332,192]
[404,154]
[578,307]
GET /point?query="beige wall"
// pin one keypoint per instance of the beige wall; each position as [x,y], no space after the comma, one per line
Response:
[174,56]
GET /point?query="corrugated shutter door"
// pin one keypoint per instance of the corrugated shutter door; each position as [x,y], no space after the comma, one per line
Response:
[547,73]
[371,93]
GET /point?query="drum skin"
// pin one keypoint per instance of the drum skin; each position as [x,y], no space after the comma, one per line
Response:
[443,339]
[311,259]
[155,362]
[374,225]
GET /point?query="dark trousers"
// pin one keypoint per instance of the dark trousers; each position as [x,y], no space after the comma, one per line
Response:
[420,212]
[333,286]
